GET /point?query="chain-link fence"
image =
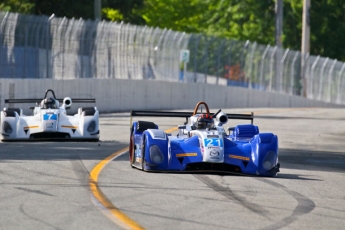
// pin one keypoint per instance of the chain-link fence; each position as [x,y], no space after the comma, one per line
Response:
[60,48]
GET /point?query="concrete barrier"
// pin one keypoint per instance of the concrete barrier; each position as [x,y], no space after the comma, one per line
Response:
[119,95]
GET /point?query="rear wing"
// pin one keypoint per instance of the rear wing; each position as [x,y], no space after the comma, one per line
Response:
[242,116]
[143,113]
[76,100]
[80,100]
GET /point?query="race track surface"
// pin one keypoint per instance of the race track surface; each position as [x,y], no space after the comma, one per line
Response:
[49,185]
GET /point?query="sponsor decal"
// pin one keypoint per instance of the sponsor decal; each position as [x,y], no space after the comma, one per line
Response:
[69,126]
[31,127]
[212,136]
[49,116]
[186,154]
[239,157]
[213,147]
[49,124]
[214,153]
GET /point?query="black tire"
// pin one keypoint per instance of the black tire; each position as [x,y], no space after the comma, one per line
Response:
[131,149]
[143,125]
[90,111]
[11,112]
[87,108]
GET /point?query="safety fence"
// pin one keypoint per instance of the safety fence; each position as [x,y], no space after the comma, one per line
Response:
[60,48]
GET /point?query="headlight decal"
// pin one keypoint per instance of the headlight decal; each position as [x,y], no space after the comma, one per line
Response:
[269,160]
[6,128]
[91,127]
[156,154]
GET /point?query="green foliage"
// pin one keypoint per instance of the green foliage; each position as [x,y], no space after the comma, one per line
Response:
[242,20]
[126,10]
[292,25]
[17,6]
[327,28]
[112,14]
[237,19]
[64,8]
[253,20]
[327,23]
[175,14]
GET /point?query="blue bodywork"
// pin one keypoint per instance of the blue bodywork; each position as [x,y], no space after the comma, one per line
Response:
[243,151]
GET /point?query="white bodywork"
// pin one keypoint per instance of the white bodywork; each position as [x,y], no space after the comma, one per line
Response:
[211,140]
[49,123]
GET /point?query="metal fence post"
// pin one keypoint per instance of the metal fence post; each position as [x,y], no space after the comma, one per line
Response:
[311,81]
[263,57]
[292,74]
[329,82]
[321,79]
[340,77]
[281,70]
[271,68]
[251,65]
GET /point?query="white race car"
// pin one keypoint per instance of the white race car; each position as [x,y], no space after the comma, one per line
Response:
[49,120]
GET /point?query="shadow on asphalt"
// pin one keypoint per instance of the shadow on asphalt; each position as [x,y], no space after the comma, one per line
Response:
[312,160]
[50,151]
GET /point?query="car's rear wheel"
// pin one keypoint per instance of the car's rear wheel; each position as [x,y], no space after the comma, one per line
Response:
[144,125]
[11,112]
[88,111]
[131,148]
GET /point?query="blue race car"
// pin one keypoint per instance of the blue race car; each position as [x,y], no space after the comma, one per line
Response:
[202,144]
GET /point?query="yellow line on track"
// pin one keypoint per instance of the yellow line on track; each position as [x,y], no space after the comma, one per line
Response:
[99,195]
[103,200]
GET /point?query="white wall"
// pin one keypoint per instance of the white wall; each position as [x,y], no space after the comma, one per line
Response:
[116,95]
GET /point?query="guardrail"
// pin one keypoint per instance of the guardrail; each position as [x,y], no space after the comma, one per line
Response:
[116,95]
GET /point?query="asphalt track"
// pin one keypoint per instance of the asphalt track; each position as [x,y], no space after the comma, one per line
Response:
[90,185]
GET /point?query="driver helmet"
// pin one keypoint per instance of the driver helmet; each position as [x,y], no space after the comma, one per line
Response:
[204,121]
[49,103]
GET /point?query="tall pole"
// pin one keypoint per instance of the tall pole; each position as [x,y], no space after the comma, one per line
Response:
[97,8]
[279,23]
[305,42]
[278,40]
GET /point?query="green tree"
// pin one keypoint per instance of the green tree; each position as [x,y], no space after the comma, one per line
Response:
[327,23]
[236,19]
[64,8]
[17,6]
[241,19]
[119,10]
[175,14]
[123,10]
[327,20]
[292,25]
